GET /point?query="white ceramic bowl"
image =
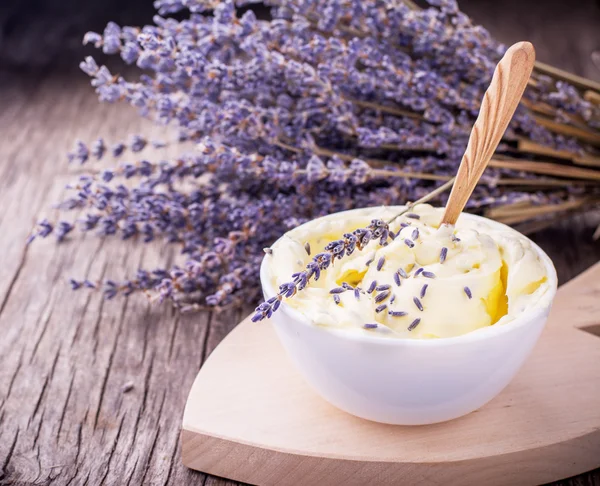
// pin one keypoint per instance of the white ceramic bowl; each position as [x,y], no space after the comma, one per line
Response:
[409,381]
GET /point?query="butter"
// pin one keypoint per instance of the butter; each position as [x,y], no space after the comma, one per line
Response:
[466,277]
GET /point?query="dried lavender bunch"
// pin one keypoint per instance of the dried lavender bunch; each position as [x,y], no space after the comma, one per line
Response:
[328,106]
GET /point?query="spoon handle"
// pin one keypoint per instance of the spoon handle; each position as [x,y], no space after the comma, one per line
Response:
[497,107]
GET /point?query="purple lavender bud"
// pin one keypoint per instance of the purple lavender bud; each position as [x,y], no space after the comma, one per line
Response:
[397,313]
[130,52]
[409,243]
[111,38]
[287,289]
[468,292]
[110,289]
[428,274]
[370,326]
[443,254]
[80,153]
[424,290]
[92,38]
[45,228]
[63,229]
[118,149]
[397,279]
[380,308]
[98,149]
[89,66]
[414,323]
[137,143]
[371,287]
[418,271]
[316,169]
[145,168]
[418,303]
[382,296]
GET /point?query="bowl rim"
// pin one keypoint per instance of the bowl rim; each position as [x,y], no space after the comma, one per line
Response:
[483,333]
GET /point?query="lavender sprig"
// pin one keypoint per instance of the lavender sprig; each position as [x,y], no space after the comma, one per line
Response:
[378,230]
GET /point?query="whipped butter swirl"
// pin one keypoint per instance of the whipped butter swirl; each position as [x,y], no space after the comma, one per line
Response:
[429,282]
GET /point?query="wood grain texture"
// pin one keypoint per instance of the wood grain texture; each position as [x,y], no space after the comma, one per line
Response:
[67,359]
[90,391]
[497,108]
[251,416]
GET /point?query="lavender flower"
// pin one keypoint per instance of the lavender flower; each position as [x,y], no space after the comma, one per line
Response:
[382,296]
[358,239]
[414,323]
[418,303]
[443,254]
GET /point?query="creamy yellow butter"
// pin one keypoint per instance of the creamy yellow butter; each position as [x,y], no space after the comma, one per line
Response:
[489,276]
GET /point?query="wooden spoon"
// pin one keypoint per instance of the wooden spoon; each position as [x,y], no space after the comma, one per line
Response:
[497,108]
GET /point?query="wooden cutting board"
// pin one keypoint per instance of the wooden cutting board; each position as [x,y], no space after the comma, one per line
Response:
[252,418]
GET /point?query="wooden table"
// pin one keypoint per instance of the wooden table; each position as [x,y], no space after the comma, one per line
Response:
[92,391]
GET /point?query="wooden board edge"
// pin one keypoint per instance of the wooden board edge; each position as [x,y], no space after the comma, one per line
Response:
[254,465]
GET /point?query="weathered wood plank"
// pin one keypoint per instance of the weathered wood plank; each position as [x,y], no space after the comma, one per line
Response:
[89,390]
